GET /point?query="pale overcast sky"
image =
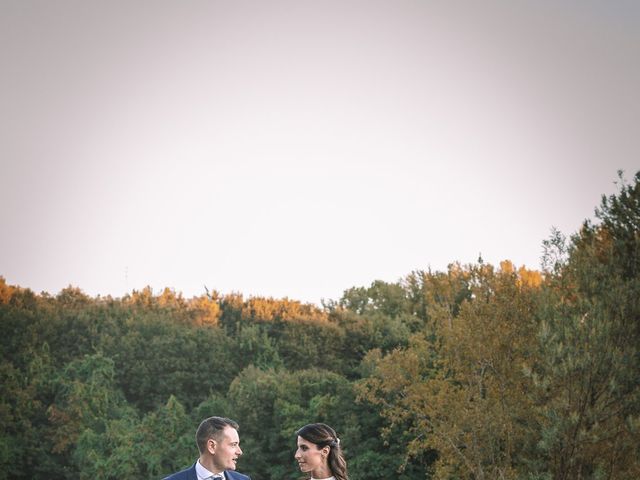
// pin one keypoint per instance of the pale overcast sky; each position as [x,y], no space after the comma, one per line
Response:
[300,148]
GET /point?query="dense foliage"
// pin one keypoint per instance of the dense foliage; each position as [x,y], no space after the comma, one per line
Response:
[479,372]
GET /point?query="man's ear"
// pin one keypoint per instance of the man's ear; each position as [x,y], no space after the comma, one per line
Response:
[211,446]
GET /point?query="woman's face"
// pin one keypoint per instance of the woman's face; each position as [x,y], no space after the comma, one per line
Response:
[312,459]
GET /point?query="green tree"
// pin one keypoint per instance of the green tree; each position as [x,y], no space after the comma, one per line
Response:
[157,357]
[160,443]
[256,347]
[390,299]
[112,452]
[85,398]
[304,344]
[587,372]
[365,332]
[271,405]
[24,395]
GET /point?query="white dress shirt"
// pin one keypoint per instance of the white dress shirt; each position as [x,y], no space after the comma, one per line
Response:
[204,474]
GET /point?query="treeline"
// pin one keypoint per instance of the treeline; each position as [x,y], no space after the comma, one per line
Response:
[479,372]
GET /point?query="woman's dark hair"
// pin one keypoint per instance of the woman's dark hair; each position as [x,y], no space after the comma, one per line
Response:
[324,436]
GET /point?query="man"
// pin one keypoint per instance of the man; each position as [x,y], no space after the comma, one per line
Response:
[219,447]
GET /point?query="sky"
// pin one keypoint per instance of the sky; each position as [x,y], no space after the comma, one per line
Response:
[298,148]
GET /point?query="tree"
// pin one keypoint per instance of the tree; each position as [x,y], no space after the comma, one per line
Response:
[272,404]
[204,310]
[160,443]
[157,357]
[24,394]
[85,399]
[460,389]
[390,299]
[587,368]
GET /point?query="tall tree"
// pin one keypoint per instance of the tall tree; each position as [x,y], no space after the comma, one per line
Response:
[460,389]
[587,372]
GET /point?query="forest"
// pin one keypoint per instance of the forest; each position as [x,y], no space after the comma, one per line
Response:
[477,372]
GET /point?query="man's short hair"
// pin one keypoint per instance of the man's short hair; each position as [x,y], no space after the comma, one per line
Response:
[212,427]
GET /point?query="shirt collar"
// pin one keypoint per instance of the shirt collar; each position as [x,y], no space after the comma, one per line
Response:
[203,473]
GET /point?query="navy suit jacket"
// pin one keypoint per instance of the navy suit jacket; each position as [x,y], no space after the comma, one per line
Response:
[190,474]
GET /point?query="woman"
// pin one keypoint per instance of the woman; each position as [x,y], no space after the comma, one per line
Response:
[319,453]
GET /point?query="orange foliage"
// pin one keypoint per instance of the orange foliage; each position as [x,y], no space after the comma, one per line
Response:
[205,310]
[6,291]
[270,309]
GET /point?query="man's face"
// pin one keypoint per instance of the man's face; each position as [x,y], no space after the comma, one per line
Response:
[227,450]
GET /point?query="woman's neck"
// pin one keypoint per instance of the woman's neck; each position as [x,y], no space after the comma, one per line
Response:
[321,473]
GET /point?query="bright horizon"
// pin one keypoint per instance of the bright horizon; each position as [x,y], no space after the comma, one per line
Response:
[298,149]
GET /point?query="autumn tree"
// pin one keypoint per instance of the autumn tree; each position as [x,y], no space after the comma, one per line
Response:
[434,294]
[460,388]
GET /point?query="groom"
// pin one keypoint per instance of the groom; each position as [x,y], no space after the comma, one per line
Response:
[219,446]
